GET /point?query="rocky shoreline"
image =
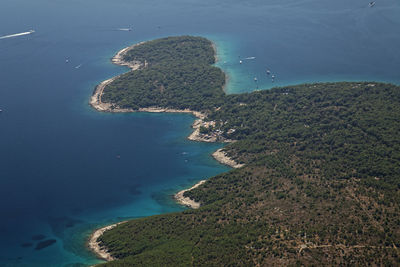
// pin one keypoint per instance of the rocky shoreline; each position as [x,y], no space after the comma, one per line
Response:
[219,155]
[95,99]
[94,245]
[118,59]
[185,201]
[223,158]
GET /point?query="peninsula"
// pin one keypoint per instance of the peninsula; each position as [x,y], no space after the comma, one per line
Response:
[317,181]
[173,74]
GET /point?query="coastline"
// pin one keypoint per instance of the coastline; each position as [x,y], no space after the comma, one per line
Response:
[96,102]
[223,158]
[219,155]
[215,47]
[94,246]
[188,202]
[117,59]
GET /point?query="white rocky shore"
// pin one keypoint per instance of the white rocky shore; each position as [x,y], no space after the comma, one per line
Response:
[219,155]
[185,201]
[101,252]
[222,157]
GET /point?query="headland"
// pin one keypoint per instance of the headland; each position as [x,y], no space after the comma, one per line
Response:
[94,245]
[97,103]
[185,201]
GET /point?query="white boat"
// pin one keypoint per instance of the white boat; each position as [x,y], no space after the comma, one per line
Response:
[371,4]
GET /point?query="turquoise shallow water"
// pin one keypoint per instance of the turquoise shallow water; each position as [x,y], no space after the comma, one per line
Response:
[59,174]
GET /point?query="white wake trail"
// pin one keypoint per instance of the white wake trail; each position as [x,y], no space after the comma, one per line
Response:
[17,34]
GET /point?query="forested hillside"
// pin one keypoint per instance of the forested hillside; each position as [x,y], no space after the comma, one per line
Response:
[320,185]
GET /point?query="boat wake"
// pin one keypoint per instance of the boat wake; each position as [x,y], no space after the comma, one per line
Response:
[125,29]
[16,34]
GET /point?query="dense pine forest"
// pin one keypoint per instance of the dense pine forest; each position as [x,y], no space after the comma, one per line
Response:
[176,72]
[321,180]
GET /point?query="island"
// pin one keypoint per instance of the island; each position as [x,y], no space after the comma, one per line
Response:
[317,167]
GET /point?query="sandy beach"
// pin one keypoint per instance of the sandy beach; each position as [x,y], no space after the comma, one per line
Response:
[94,245]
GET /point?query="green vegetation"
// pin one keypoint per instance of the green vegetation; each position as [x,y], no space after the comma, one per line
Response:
[177,74]
[320,185]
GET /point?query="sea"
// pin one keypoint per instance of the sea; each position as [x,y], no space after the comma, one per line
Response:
[66,169]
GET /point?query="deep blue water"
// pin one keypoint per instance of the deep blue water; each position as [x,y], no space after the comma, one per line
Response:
[59,172]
